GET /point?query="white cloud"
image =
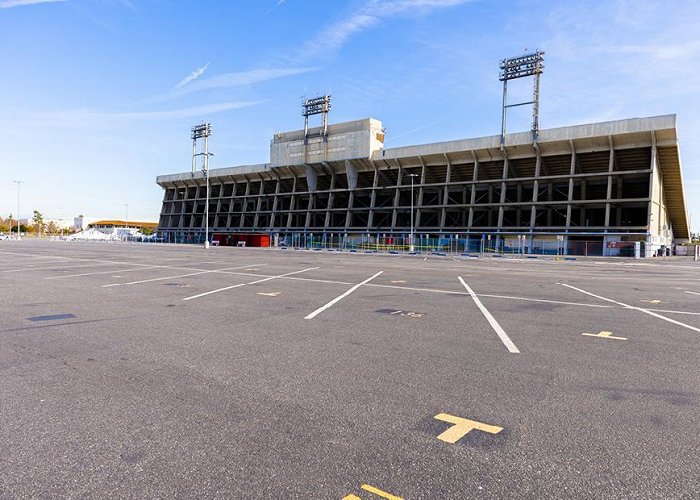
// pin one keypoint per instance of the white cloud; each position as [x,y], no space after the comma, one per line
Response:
[192,76]
[6,4]
[229,80]
[85,117]
[333,37]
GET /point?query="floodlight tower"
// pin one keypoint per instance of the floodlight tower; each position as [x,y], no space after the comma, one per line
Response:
[520,67]
[203,131]
[316,106]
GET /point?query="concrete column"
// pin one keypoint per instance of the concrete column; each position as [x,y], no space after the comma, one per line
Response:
[275,203]
[245,203]
[292,201]
[550,193]
[535,191]
[420,192]
[373,198]
[351,175]
[618,210]
[611,164]
[397,194]
[259,203]
[348,215]
[570,195]
[472,200]
[230,205]
[502,200]
[446,191]
[582,221]
[311,178]
[330,199]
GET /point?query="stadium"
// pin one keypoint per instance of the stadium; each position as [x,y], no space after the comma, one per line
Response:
[592,189]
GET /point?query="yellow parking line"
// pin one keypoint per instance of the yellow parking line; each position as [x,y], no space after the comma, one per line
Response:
[604,335]
[461,427]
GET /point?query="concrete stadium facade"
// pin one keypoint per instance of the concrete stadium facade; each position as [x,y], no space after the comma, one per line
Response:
[612,183]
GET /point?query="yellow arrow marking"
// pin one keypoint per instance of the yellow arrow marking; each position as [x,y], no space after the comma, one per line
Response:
[374,490]
[655,301]
[270,294]
[461,427]
[604,335]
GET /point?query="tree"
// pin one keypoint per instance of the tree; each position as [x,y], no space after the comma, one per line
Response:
[146,231]
[38,220]
[52,228]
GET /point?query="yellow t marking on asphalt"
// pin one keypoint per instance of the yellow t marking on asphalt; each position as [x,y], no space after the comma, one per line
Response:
[461,427]
[655,301]
[374,490]
[604,335]
[270,294]
[398,281]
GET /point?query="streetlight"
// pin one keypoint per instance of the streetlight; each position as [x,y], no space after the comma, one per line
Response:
[126,222]
[19,235]
[411,247]
[63,222]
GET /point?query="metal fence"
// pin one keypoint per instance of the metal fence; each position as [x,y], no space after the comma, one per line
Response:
[446,245]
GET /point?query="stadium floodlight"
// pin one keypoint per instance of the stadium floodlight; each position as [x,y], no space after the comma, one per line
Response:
[320,105]
[521,67]
[203,131]
[200,131]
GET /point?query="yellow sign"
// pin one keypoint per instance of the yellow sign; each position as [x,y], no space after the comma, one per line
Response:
[604,335]
[376,491]
[461,427]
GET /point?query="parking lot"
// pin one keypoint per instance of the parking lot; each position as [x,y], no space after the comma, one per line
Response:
[174,371]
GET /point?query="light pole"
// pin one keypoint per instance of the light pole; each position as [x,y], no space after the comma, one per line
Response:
[19,235]
[411,246]
[203,131]
[126,222]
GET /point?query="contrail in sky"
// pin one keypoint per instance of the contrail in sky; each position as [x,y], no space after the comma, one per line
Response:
[6,4]
[192,76]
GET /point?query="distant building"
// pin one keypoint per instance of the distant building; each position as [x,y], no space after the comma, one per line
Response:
[607,184]
[121,227]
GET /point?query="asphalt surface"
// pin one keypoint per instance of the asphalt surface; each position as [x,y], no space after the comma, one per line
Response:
[118,378]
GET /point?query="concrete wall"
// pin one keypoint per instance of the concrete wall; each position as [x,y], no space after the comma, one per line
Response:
[356,139]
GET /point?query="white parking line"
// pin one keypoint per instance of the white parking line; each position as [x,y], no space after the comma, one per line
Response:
[100,272]
[341,297]
[250,283]
[492,321]
[180,276]
[694,293]
[627,306]
[55,266]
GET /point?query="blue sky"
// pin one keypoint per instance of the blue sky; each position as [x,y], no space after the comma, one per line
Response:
[97,97]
